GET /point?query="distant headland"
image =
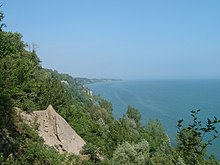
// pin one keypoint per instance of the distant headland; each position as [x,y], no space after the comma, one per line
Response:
[94,80]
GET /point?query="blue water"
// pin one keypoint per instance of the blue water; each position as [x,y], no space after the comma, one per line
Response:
[167,101]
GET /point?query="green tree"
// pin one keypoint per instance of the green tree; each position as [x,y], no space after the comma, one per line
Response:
[19,69]
[106,105]
[5,109]
[127,154]
[191,142]
[98,113]
[1,19]
[156,135]
[133,113]
[11,43]
[52,92]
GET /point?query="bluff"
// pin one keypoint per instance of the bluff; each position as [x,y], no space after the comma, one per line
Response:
[54,130]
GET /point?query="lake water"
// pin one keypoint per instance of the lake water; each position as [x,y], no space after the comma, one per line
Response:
[167,101]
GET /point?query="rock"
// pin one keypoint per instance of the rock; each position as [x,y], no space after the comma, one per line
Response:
[55,131]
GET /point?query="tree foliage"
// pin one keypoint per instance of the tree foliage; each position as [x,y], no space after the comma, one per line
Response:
[156,134]
[191,141]
[127,154]
[106,105]
[1,18]
[133,113]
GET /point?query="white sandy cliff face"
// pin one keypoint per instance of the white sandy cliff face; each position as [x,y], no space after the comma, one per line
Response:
[55,131]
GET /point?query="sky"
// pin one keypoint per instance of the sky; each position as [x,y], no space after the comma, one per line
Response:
[125,39]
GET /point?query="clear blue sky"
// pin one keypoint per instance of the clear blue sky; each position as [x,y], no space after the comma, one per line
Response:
[127,39]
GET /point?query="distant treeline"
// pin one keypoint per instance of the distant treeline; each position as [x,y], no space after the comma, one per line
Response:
[91,81]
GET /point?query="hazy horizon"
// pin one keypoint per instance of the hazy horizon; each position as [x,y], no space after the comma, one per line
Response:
[126,39]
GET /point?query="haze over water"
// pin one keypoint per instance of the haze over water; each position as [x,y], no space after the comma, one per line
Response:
[167,101]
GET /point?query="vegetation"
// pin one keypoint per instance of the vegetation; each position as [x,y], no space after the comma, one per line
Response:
[26,84]
[191,142]
[90,81]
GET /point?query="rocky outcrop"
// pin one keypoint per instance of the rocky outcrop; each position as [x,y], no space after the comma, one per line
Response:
[55,131]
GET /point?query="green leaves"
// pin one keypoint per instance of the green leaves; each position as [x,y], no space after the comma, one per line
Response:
[106,105]
[1,18]
[133,113]
[127,154]
[11,43]
[156,134]
[191,143]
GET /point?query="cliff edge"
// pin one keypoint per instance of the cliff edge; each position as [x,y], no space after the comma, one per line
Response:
[55,131]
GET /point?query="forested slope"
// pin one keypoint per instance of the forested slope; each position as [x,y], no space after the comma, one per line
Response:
[24,83]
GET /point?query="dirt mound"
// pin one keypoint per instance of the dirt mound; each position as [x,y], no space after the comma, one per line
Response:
[55,131]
